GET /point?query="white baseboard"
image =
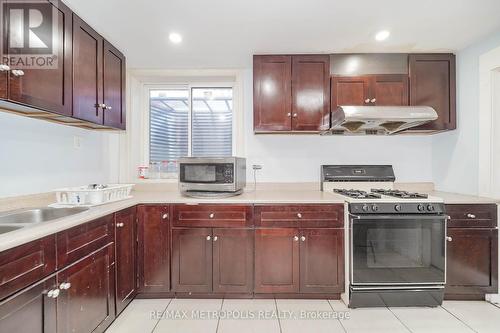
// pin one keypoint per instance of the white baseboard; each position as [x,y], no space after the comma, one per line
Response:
[493,298]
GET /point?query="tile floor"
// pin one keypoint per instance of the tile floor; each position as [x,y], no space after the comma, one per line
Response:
[290,316]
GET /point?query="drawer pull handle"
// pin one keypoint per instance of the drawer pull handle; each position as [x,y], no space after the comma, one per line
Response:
[367,101]
[165,216]
[373,100]
[471,216]
[4,68]
[288,114]
[299,215]
[65,286]
[212,215]
[17,72]
[296,238]
[216,238]
[303,238]
[120,225]
[53,293]
[209,238]
[449,239]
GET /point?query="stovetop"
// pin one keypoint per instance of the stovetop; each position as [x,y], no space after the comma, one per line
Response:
[400,194]
[378,193]
[357,194]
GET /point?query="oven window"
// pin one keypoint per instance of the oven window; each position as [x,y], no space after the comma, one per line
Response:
[200,173]
[398,251]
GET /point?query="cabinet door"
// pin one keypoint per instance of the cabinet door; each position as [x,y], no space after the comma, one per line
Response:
[322,260]
[310,92]
[432,83]
[30,310]
[233,260]
[276,260]
[153,248]
[350,90]
[389,90]
[87,72]
[472,261]
[272,93]
[114,87]
[125,245]
[4,71]
[86,299]
[47,87]
[192,260]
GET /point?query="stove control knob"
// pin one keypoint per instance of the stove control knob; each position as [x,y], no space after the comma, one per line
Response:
[430,208]
[375,208]
[421,208]
[397,208]
[365,208]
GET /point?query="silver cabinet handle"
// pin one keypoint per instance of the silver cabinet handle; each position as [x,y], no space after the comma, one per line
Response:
[100,105]
[295,115]
[212,215]
[296,238]
[471,216]
[54,293]
[107,107]
[449,239]
[120,225]
[373,100]
[303,238]
[367,101]
[164,216]
[216,238]
[65,286]
[4,68]
[299,215]
[288,114]
[17,72]
[209,238]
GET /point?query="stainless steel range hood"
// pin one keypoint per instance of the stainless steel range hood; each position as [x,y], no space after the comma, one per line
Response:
[383,120]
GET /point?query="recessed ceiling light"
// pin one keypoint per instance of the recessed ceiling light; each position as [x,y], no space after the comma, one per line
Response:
[175,37]
[382,35]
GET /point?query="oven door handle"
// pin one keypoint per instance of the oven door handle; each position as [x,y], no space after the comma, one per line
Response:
[399,217]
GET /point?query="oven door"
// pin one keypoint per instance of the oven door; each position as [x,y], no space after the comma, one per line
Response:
[398,250]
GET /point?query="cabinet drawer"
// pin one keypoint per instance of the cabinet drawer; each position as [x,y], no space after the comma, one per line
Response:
[212,215]
[293,216]
[474,216]
[77,242]
[26,264]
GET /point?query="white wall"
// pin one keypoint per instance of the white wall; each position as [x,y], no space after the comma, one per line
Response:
[455,154]
[38,156]
[297,158]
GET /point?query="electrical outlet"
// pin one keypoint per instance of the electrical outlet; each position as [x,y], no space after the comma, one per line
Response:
[257,167]
[77,142]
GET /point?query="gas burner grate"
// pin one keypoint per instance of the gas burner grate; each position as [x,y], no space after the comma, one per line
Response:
[401,194]
[357,194]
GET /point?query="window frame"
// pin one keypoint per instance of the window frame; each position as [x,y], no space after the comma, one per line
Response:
[146,121]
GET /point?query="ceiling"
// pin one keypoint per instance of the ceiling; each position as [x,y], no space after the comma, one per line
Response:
[225,33]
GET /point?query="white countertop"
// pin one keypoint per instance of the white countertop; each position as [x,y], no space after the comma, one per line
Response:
[264,196]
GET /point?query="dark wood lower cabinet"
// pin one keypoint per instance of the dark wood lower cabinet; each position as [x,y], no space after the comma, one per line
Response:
[322,261]
[30,310]
[472,263]
[277,260]
[125,249]
[192,260]
[153,252]
[233,260]
[86,299]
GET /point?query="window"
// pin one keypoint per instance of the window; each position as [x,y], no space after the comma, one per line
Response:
[190,122]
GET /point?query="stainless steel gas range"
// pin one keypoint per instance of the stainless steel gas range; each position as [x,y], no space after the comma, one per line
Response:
[396,253]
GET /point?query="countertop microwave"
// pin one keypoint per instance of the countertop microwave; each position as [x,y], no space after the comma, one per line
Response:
[212,174]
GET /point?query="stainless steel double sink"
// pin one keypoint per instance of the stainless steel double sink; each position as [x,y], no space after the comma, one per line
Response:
[18,219]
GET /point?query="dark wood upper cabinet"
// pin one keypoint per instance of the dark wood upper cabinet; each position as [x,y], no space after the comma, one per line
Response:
[272,93]
[87,72]
[86,299]
[233,260]
[433,83]
[322,261]
[125,249]
[153,252]
[114,86]
[389,90]
[277,260]
[30,310]
[47,88]
[310,92]
[348,90]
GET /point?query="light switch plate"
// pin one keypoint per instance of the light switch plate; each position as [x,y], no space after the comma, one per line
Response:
[77,142]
